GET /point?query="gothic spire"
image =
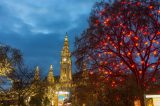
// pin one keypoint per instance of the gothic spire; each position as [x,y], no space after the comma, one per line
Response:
[65,50]
[36,75]
[66,38]
[50,77]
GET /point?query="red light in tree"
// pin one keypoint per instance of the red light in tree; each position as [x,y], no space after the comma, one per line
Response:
[107,79]
[106,72]
[136,44]
[153,66]
[113,82]
[142,62]
[110,73]
[144,33]
[138,4]
[97,22]
[146,43]
[157,42]
[155,52]
[158,11]
[158,33]
[140,72]
[153,79]
[136,38]
[154,41]
[112,85]
[150,7]
[108,37]
[129,34]
[106,21]
[128,53]
[99,55]
[132,39]
[138,54]
[91,72]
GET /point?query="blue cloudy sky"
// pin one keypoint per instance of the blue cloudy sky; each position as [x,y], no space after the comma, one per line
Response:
[38,27]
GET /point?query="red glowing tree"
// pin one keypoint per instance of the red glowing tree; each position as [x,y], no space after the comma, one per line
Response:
[123,39]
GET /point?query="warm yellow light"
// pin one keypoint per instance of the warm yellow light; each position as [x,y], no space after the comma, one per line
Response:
[146,43]
[5,67]
[155,52]
[137,103]
[154,100]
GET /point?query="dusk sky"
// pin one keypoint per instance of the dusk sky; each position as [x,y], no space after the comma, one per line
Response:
[38,28]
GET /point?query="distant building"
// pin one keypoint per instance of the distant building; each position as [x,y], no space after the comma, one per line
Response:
[58,91]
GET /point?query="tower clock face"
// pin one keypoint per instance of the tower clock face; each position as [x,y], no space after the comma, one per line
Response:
[64,59]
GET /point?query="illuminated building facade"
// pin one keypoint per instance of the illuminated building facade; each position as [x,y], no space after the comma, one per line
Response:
[55,89]
[66,66]
[59,91]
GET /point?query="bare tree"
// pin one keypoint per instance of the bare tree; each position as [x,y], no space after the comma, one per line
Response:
[9,58]
[15,78]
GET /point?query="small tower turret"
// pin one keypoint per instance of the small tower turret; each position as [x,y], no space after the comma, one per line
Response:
[50,77]
[36,75]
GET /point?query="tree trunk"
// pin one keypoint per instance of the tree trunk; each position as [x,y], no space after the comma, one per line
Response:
[142,92]
[19,99]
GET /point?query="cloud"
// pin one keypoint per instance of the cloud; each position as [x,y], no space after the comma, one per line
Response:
[38,28]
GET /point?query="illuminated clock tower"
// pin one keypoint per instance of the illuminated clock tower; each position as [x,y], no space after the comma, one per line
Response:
[66,64]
